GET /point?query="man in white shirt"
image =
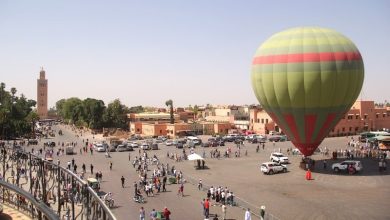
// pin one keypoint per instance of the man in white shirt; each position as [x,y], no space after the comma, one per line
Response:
[248,215]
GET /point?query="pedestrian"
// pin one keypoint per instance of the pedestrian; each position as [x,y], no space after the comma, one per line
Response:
[200,185]
[166,213]
[123,182]
[181,190]
[91,168]
[153,214]
[308,174]
[224,211]
[164,182]
[257,148]
[206,208]
[110,165]
[247,215]
[142,214]
[129,156]
[83,166]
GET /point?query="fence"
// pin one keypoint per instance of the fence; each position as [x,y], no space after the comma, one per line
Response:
[50,183]
[25,202]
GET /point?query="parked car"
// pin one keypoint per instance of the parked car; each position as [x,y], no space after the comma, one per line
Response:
[272,167]
[162,138]
[134,145]
[206,144]
[145,146]
[100,148]
[154,146]
[357,166]
[121,148]
[278,158]
[129,147]
[278,138]
[221,143]
[168,143]
[179,145]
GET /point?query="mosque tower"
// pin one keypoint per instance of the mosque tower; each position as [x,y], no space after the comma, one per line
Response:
[42,95]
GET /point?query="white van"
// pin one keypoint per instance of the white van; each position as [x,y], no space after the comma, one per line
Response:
[195,140]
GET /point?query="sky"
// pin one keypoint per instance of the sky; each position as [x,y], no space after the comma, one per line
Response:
[193,52]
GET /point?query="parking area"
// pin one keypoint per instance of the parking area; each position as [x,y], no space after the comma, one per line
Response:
[285,195]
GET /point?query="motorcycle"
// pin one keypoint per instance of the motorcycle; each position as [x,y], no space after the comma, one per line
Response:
[138,199]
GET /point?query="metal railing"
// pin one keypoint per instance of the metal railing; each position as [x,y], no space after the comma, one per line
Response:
[24,202]
[61,189]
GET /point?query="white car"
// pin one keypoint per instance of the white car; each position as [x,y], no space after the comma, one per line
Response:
[145,146]
[343,166]
[134,145]
[121,148]
[272,167]
[169,143]
[278,158]
[100,148]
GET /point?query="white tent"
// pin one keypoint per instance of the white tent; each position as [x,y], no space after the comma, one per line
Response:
[194,156]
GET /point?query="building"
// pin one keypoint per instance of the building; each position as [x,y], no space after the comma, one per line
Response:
[157,124]
[363,116]
[235,115]
[42,95]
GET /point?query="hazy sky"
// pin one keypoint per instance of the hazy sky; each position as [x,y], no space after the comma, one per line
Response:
[193,52]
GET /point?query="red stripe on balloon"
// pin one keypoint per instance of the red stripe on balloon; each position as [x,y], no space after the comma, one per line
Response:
[293,127]
[307,149]
[325,128]
[307,57]
[310,122]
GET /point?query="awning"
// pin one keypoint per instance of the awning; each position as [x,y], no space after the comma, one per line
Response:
[195,156]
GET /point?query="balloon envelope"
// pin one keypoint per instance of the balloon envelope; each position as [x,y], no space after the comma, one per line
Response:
[306,79]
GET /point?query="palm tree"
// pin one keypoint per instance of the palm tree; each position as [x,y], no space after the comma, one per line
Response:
[33,117]
[170,104]
[13,91]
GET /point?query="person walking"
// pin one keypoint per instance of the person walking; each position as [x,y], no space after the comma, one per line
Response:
[91,168]
[206,208]
[166,213]
[142,214]
[153,214]
[247,215]
[123,182]
[224,211]
[200,185]
[164,182]
[110,165]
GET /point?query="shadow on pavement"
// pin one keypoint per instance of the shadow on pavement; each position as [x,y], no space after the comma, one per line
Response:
[370,167]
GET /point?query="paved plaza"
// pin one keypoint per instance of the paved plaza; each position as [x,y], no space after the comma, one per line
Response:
[10,213]
[285,195]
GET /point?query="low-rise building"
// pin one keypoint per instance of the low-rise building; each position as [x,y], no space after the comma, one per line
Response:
[363,116]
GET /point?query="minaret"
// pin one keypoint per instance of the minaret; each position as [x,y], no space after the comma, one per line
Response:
[42,95]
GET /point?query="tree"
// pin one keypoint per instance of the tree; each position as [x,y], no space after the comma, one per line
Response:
[116,115]
[33,117]
[14,111]
[170,104]
[136,109]
[93,112]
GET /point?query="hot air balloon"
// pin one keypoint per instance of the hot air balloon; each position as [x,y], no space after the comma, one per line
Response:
[306,79]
